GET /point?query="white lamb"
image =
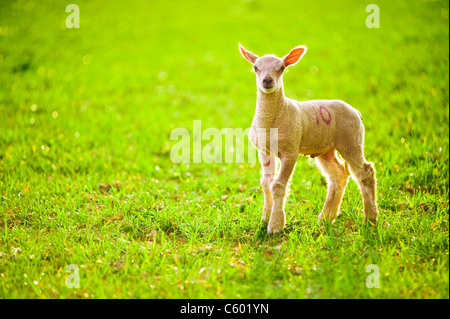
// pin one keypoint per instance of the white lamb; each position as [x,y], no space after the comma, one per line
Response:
[316,128]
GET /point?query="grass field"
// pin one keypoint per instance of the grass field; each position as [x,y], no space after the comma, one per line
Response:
[86,177]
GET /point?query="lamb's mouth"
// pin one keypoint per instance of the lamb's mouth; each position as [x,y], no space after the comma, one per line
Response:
[268,89]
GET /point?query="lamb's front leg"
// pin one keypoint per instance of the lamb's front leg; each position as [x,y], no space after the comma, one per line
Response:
[278,189]
[268,172]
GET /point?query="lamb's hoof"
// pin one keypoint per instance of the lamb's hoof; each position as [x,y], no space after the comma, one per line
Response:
[371,216]
[276,222]
[371,221]
[274,229]
[322,220]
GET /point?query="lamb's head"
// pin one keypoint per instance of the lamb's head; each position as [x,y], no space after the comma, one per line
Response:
[269,68]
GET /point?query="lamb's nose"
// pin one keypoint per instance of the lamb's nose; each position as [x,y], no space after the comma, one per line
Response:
[267,83]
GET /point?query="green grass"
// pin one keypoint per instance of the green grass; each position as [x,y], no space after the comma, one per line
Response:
[81,109]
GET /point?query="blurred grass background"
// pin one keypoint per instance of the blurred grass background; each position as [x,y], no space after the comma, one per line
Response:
[82,108]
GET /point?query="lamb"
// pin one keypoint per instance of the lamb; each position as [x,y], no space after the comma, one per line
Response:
[312,128]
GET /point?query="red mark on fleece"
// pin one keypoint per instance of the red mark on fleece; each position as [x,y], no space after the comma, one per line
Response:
[315,112]
[267,163]
[326,119]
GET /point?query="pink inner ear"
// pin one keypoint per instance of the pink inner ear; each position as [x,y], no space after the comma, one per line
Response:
[250,57]
[294,56]
[245,54]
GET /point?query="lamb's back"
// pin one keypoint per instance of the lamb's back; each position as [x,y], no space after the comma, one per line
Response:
[326,124]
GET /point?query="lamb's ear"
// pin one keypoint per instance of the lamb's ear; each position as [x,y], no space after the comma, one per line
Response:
[248,55]
[294,56]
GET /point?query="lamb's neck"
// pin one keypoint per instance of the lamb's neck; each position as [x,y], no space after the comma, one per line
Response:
[269,106]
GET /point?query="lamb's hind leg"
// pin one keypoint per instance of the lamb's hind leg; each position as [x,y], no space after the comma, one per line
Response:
[337,177]
[364,174]
[268,172]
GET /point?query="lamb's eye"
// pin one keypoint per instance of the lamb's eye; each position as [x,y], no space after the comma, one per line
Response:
[282,68]
[255,68]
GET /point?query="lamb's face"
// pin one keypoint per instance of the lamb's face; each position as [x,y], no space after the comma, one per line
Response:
[269,68]
[269,73]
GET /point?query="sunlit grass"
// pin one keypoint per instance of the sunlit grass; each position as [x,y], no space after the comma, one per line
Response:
[86,176]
